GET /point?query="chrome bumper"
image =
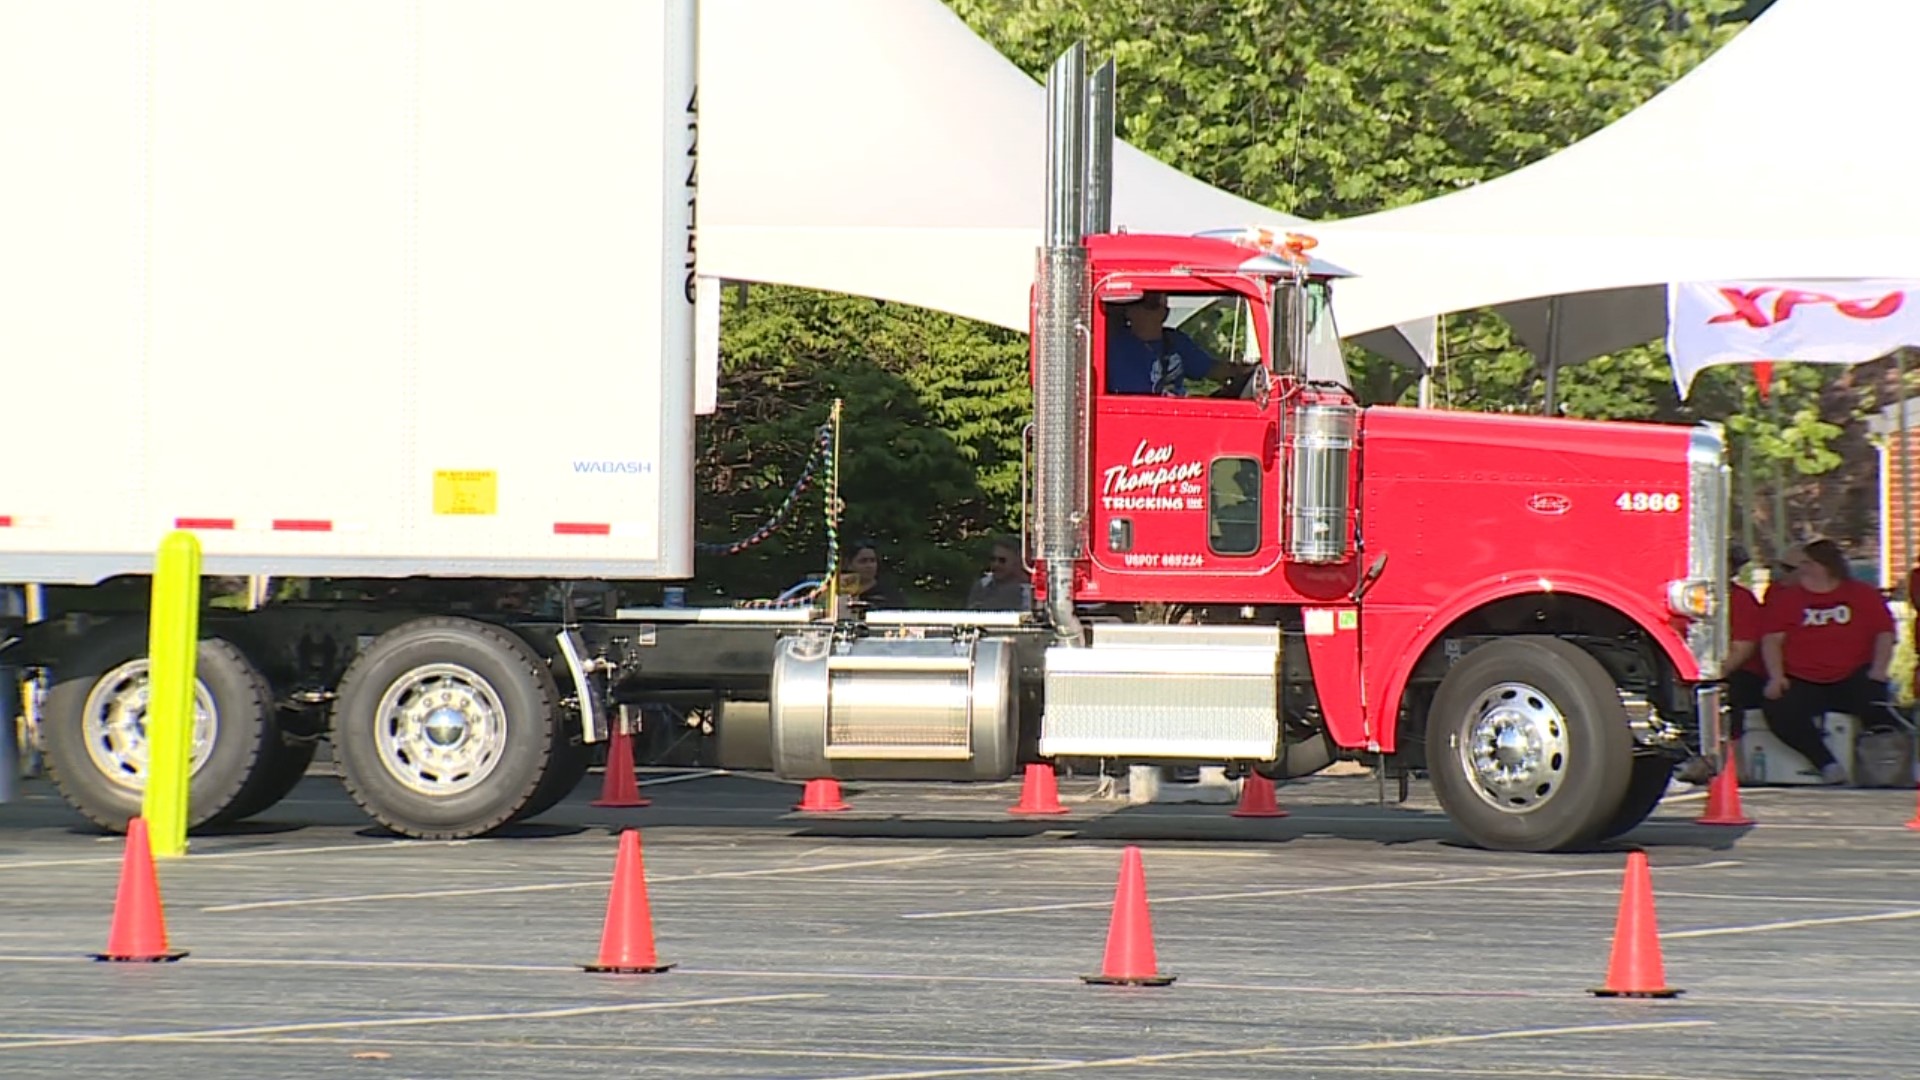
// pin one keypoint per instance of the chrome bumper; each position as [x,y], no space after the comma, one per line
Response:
[1707,701]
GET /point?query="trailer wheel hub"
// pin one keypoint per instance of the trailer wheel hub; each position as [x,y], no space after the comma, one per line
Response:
[114,723]
[1516,747]
[445,727]
[441,729]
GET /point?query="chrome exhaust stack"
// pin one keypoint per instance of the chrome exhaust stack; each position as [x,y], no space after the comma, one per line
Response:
[1061,382]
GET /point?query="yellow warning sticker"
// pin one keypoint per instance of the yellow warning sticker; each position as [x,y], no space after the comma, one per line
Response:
[465,491]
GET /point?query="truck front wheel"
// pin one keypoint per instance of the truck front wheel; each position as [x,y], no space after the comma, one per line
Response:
[443,728]
[1529,745]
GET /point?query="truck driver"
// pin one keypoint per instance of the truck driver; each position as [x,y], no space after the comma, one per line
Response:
[1145,356]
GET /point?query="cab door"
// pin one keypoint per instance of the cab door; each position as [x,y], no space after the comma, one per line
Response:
[1181,489]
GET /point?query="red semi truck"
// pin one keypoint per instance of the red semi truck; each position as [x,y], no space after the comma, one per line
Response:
[1531,611]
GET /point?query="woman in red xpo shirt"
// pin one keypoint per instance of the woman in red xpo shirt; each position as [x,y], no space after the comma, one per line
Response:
[1828,646]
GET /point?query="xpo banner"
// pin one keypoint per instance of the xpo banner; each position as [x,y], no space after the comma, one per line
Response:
[1821,322]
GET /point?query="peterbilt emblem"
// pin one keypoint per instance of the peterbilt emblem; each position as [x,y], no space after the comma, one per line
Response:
[1546,502]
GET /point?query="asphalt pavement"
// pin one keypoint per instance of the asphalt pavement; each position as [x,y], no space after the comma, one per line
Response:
[926,933]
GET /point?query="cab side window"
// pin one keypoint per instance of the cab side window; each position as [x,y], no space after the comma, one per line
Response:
[1178,345]
[1233,506]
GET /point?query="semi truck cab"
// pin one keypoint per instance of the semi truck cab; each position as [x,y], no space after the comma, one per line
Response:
[1529,609]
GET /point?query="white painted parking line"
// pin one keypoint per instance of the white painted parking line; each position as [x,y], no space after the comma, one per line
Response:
[478,890]
[1794,924]
[205,1034]
[638,1048]
[1423,1043]
[1612,895]
[297,962]
[1314,890]
[556,886]
[262,853]
[677,778]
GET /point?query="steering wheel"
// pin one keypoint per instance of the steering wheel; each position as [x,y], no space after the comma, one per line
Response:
[1255,383]
[1235,386]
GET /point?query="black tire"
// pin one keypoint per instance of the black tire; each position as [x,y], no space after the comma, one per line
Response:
[1647,785]
[287,761]
[566,767]
[242,706]
[1567,803]
[500,666]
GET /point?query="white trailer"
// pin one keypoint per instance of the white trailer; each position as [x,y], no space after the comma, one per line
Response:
[342,286]
[305,276]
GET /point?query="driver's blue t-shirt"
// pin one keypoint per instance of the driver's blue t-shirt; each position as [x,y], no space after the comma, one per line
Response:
[1154,367]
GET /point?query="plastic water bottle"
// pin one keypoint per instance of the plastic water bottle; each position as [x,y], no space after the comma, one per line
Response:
[1759,764]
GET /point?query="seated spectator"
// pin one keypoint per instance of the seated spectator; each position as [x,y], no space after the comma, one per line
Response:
[1827,646]
[863,581]
[1004,586]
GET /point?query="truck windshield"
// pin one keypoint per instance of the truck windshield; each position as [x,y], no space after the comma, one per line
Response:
[1325,362]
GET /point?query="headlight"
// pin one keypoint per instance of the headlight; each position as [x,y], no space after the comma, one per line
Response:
[1690,597]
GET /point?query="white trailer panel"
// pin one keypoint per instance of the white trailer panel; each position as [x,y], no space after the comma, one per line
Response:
[350,287]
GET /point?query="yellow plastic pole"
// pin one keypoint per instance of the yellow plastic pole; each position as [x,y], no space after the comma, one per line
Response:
[173,634]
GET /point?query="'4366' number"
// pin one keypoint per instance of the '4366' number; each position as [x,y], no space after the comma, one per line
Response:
[1649,502]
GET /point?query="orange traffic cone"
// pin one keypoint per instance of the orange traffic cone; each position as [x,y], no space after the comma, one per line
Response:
[822,797]
[1723,794]
[620,789]
[1257,798]
[1915,823]
[626,943]
[1635,969]
[1039,793]
[139,931]
[1130,960]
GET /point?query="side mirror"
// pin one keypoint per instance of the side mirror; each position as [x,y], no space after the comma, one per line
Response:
[1287,325]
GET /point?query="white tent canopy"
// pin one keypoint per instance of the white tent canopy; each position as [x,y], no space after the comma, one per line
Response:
[880,148]
[1786,154]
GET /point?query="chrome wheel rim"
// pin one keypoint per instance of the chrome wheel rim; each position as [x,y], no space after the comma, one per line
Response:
[440,729]
[114,725]
[1516,748]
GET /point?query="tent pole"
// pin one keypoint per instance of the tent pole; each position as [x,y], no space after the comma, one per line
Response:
[1553,355]
[1778,473]
[1906,467]
[1743,468]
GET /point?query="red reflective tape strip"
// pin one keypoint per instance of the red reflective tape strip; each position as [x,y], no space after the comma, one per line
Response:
[578,528]
[203,523]
[6,522]
[301,525]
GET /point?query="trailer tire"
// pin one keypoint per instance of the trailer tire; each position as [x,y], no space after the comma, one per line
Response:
[443,728]
[1647,785]
[285,764]
[566,767]
[1529,745]
[94,729]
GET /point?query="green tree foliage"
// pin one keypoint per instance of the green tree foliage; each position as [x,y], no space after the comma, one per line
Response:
[929,438]
[1327,108]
